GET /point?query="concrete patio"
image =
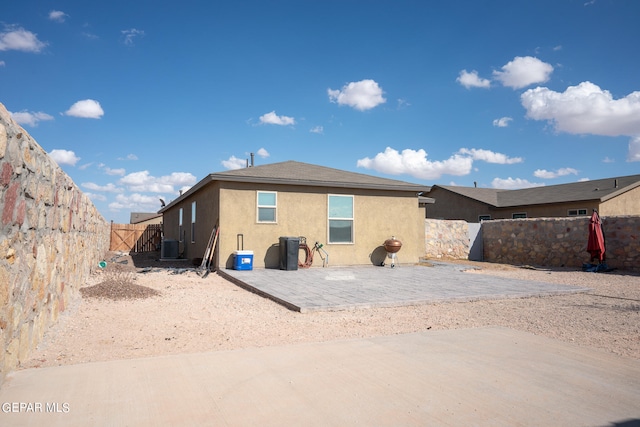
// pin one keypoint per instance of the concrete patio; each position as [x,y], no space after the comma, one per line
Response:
[341,288]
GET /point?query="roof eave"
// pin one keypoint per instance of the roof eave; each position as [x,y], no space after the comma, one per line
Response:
[305,183]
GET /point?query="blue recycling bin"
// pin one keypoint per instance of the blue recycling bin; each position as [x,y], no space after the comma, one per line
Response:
[243,260]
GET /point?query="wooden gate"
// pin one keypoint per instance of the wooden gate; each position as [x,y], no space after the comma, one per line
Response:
[135,237]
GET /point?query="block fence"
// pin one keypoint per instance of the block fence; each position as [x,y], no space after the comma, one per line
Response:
[551,242]
[51,239]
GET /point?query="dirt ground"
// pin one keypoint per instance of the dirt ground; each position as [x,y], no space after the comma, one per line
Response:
[142,308]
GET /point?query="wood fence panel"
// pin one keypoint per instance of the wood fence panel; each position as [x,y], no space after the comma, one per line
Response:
[135,237]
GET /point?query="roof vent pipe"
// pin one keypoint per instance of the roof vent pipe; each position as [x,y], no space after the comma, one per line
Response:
[475,184]
[251,159]
[615,183]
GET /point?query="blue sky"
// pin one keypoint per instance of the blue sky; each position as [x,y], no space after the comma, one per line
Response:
[137,99]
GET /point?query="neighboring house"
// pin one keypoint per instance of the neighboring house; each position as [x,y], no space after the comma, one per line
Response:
[610,196]
[351,214]
[145,218]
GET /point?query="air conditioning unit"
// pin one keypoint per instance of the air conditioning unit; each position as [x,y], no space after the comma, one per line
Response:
[169,249]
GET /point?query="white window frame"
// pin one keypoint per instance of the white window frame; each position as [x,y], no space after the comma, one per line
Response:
[519,215]
[484,218]
[352,219]
[193,222]
[274,207]
[578,212]
[180,216]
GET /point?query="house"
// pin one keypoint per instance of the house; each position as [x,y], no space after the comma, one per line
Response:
[145,218]
[610,197]
[350,214]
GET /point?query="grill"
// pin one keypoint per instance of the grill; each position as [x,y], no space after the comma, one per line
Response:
[392,246]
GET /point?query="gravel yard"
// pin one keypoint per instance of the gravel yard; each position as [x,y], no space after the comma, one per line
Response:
[130,312]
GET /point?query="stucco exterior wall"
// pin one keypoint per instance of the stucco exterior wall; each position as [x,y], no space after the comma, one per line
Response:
[625,204]
[301,211]
[455,207]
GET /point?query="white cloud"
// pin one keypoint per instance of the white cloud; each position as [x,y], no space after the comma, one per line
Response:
[545,174]
[30,118]
[130,35]
[96,197]
[490,156]
[2,63]
[471,79]
[234,163]
[87,109]
[317,129]
[16,38]
[502,122]
[129,157]
[57,16]
[362,95]
[634,150]
[119,171]
[273,119]
[144,182]
[263,153]
[513,183]
[403,103]
[416,164]
[109,188]
[585,109]
[64,157]
[136,202]
[523,71]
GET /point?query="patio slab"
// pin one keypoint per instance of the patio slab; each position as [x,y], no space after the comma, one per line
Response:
[343,288]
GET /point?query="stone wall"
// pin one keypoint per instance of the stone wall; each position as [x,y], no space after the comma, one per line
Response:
[552,242]
[446,239]
[560,242]
[51,238]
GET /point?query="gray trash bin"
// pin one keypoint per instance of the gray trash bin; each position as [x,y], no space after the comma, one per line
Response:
[289,248]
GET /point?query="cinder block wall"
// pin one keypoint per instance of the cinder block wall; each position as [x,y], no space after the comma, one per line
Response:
[51,239]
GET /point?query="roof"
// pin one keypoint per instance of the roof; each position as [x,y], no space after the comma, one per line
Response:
[304,174]
[137,217]
[597,189]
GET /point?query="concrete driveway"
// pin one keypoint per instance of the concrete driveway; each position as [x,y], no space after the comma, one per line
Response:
[469,377]
[484,377]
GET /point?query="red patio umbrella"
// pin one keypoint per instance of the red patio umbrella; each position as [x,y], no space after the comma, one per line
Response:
[595,245]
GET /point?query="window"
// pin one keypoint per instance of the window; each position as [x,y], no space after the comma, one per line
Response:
[340,219]
[180,225]
[519,215]
[193,222]
[267,202]
[576,212]
[484,218]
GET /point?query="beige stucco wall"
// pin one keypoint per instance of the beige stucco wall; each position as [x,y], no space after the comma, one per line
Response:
[625,204]
[301,211]
[557,210]
[451,206]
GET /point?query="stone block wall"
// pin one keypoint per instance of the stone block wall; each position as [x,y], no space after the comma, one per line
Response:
[446,239]
[51,239]
[560,242]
